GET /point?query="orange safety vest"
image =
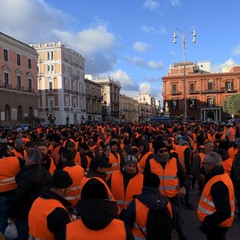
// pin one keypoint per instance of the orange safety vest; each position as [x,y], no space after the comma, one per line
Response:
[232,152]
[211,137]
[124,197]
[141,219]
[202,156]
[9,166]
[142,160]
[77,174]
[77,158]
[37,218]
[77,230]
[55,153]
[227,165]
[180,151]
[206,205]
[169,183]
[52,165]
[18,154]
[115,161]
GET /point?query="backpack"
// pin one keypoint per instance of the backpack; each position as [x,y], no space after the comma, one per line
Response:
[159,225]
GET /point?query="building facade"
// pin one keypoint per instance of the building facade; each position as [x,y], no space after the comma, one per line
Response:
[61,84]
[129,109]
[148,106]
[93,102]
[205,91]
[110,91]
[18,82]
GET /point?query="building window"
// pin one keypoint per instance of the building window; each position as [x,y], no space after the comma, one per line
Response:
[50,86]
[51,105]
[6,79]
[18,60]
[192,87]
[210,85]
[52,55]
[29,84]
[229,86]
[5,53]
[52,68]
[29,63]
[174,88]
[19,82]
[174,104]
[192,103]
[48,56]
[210,102]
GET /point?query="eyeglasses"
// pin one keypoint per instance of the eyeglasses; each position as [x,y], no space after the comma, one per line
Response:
[162,150]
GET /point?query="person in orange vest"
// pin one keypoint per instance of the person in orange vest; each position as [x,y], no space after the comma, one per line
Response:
[184,152]
[231,133]
[216,206]
[76,172]
[144,155]
[139,211]
[173,181]
[49,214]
[18,150]
[30,181]
[126,182]
[54,147]
[227,161]
[48,163]
[10,166]
[197,169]
[105,223]
[114,158]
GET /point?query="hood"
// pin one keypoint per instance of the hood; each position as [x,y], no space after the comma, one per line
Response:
[96,214]
[151,197]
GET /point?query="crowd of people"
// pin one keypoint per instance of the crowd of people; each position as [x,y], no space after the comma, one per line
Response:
[126,181]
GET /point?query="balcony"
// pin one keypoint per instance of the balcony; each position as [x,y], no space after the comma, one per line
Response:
[207,91]
[230,90]
[176,93]
[193,92]
[6,85]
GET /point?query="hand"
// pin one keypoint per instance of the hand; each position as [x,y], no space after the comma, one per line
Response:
[182,191]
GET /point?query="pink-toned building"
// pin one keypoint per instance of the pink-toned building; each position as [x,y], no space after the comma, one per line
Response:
[18,82]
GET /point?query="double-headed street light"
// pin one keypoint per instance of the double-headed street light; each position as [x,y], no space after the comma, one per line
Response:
[184,36]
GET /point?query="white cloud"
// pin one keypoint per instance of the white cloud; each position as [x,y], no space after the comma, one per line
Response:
[236,50]
[85,41]
[151,4]
[218,67]
[149,29]
[145,64]
[175,3]
[141,46]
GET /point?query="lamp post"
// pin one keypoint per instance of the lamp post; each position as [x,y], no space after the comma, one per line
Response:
[184,36]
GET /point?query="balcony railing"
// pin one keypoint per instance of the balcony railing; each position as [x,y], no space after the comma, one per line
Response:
[176,93]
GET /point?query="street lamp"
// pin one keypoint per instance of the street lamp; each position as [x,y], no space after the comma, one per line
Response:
[184,36]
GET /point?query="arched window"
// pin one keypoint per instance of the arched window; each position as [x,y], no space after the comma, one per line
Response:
[7,113]
[19,113]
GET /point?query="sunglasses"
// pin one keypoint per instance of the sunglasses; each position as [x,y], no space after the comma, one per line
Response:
[163,150]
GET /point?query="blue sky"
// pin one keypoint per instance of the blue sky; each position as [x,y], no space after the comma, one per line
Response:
[130,40]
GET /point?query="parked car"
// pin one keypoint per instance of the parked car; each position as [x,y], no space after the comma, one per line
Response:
[24,127]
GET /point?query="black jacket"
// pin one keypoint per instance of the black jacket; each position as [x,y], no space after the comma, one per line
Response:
[30,181]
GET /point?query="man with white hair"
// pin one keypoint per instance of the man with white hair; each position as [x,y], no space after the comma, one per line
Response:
[216,206]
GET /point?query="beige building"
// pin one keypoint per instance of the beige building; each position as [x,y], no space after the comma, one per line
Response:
[18,82]
[129,109]
[93,101]
[148,106]
[110,91]
[61,84]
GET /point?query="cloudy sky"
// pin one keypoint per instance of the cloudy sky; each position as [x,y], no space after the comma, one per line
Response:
[130,40]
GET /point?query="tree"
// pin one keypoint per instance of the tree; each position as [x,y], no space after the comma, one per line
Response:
[231,105]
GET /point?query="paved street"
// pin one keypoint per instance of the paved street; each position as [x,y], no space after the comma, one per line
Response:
[192,224]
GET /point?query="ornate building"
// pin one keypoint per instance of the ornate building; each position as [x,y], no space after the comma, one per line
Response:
[18,82]
[205,91]
[61,84]
[93,101]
